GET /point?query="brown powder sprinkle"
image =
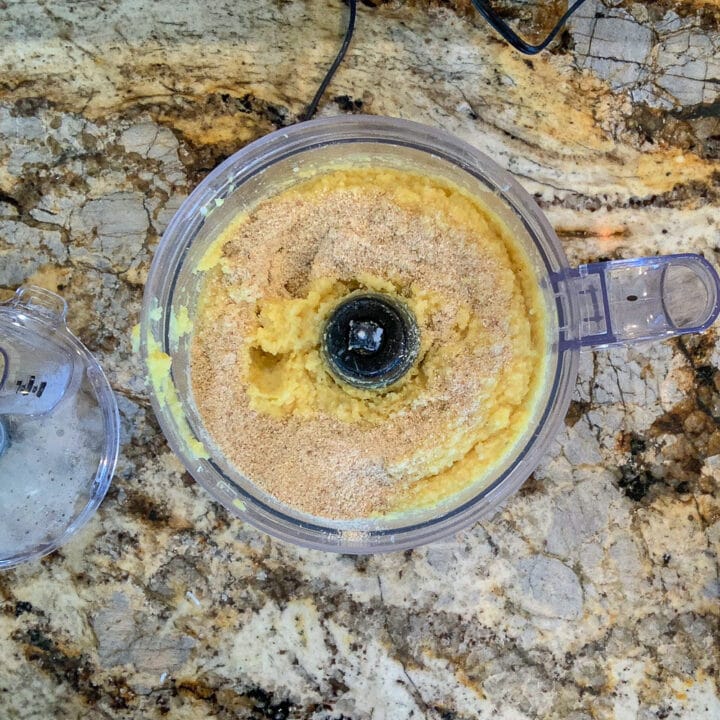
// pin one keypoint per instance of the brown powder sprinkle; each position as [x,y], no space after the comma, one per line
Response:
[282,420]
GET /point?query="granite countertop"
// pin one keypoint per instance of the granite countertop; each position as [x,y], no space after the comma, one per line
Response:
[592,595]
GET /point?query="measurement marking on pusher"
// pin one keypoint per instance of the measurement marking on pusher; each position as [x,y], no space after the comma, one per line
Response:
[30,387]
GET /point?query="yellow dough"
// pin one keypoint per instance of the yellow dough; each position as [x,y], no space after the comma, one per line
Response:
[262,387]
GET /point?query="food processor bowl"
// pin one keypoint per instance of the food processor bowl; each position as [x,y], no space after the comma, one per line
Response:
[593,305]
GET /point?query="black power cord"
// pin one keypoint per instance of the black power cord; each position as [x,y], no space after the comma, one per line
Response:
[498,24]
[312,107]
[482,6]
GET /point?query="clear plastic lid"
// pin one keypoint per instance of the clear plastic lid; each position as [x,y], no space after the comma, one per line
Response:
[59,428]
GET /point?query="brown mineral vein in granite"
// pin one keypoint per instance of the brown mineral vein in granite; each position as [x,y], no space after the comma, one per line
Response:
[592,595]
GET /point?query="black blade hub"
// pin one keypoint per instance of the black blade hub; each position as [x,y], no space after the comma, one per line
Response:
[370,340]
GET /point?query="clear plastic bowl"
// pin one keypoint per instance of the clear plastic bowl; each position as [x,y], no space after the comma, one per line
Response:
[274,163]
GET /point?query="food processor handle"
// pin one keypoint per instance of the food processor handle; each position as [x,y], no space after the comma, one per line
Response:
[37,368]
[628,301]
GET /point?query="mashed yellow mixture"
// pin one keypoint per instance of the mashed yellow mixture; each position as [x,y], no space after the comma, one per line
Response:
[273,407]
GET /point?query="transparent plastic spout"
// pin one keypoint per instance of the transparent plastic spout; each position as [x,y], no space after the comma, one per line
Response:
[37,366]
[629,301]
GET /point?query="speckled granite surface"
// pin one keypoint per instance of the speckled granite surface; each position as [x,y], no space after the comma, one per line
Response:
[592,595]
